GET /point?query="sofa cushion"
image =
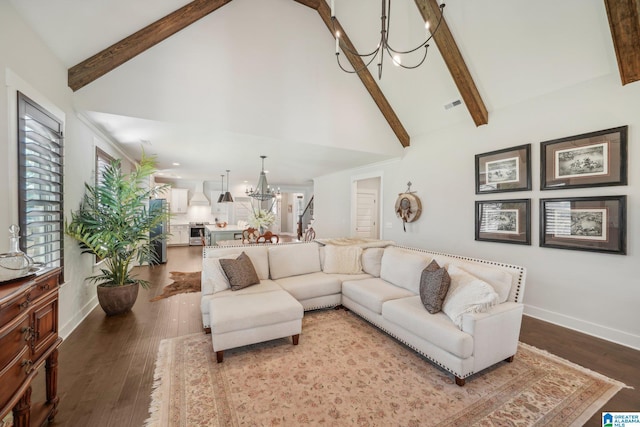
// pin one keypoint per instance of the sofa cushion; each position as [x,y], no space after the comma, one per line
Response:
[240,272]
[371,260]
[258,254]
[403,267]
[345,277]
[213,279]
[263,286]
[268,308]
[310,285]
[437,328]
[342,259]
[434,284]
[372,293]
[293,260]
[467,294]
[499,279]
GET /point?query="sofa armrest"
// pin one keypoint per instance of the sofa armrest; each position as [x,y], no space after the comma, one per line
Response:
[495,333]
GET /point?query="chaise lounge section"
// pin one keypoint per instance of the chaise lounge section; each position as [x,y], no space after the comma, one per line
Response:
[475,330]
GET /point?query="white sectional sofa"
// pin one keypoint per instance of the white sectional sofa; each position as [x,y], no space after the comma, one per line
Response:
[382,285]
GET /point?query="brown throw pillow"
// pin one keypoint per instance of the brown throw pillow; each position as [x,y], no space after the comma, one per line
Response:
[240,272]
[434,284]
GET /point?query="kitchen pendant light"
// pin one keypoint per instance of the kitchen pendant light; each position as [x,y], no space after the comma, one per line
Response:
[262,191]
[221,196]
[227,196]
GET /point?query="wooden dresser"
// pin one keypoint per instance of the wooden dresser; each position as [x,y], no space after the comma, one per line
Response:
[29,339]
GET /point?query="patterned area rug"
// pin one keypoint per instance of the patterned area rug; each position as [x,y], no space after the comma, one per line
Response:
[182,283]
[346,372]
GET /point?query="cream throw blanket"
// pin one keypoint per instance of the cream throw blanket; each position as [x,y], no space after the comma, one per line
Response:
[354,241]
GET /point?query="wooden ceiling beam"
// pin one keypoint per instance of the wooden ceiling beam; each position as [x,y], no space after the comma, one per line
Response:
[365,76]
[624,22]
[453,58]
[117,54]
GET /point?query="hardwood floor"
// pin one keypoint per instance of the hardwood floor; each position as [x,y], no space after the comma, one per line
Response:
[107,363]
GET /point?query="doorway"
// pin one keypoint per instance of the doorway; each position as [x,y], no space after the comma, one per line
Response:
[365,218]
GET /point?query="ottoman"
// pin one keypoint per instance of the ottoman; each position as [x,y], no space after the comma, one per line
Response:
[239,320]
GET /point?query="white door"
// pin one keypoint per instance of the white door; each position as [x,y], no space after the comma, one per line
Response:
[366,209]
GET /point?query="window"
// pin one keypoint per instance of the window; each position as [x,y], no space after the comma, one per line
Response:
[102,161]
[40,183]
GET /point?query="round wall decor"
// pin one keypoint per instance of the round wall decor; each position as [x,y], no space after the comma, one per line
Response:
[408,207]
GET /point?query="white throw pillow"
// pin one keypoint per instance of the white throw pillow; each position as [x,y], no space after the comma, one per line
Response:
[499,279]
[467,294]
[371,261]
[213,278]
[293,260]
[403,267]
[342,259]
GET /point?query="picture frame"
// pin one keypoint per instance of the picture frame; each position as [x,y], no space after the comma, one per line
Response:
[504,170]
[594,159]
[504,221]
[596,224]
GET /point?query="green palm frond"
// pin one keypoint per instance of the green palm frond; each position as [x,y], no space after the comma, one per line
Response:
[113,222]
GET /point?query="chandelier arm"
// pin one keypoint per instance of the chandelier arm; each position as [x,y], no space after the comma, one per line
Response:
[354,71]
[344,46]
[423,44]
[411,67]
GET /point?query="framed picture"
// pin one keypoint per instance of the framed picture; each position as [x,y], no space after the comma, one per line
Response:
[505,221]
[595,224]
[504,170]
[589,160]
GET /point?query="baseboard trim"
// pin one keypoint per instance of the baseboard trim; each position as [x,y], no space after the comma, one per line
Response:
[609,334]
[77,319]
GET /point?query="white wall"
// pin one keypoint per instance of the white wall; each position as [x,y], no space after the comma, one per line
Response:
[27,65]
[591,292]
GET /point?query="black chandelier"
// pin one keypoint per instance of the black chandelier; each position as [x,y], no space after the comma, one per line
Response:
[383,44]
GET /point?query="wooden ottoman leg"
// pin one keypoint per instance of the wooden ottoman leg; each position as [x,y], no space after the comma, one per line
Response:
[220,356]
[460,381]
[509,359]
[295,339]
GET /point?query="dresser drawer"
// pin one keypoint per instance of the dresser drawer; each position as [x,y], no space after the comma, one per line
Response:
[15,307]
[42,287]
[14,337]
[13,375]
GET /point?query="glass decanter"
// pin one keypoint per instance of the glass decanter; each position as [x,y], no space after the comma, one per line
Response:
[15,263]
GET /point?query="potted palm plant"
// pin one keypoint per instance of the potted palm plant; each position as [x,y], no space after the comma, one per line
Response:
[113,223]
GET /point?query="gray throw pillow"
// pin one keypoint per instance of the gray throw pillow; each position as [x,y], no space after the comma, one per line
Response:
[240,272]
[434,284]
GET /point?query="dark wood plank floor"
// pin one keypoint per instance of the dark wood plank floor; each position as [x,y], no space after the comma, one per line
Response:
[107,364]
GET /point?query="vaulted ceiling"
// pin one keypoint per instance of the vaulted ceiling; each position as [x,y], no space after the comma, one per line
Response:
[259,77]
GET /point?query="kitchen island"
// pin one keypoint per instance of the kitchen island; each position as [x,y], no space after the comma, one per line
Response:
[215,234]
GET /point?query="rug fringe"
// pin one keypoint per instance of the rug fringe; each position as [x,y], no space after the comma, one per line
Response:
[157,389]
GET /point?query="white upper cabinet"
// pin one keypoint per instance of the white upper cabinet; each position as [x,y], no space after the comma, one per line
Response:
[179,200]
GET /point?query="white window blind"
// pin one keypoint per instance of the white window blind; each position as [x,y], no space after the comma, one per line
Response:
[102,161]
[40,183]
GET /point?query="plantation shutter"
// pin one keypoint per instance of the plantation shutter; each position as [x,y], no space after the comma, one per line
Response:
[102,161]
[40,183]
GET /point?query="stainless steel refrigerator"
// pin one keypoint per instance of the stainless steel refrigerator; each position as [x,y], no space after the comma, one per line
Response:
[159,246]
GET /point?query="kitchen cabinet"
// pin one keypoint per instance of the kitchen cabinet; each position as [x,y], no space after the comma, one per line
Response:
[179,235]
[179,200]
[28,340]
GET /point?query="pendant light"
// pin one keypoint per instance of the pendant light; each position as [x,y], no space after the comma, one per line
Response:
[227,196]
[221,196]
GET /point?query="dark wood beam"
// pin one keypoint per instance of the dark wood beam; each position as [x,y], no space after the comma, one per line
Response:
[453,58]
[365,76]
[624,21]
[313,4]
[115,55]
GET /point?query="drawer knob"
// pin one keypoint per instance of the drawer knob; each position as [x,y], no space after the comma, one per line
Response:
[28,333]
[25,304]
[27,364]
[45,287]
